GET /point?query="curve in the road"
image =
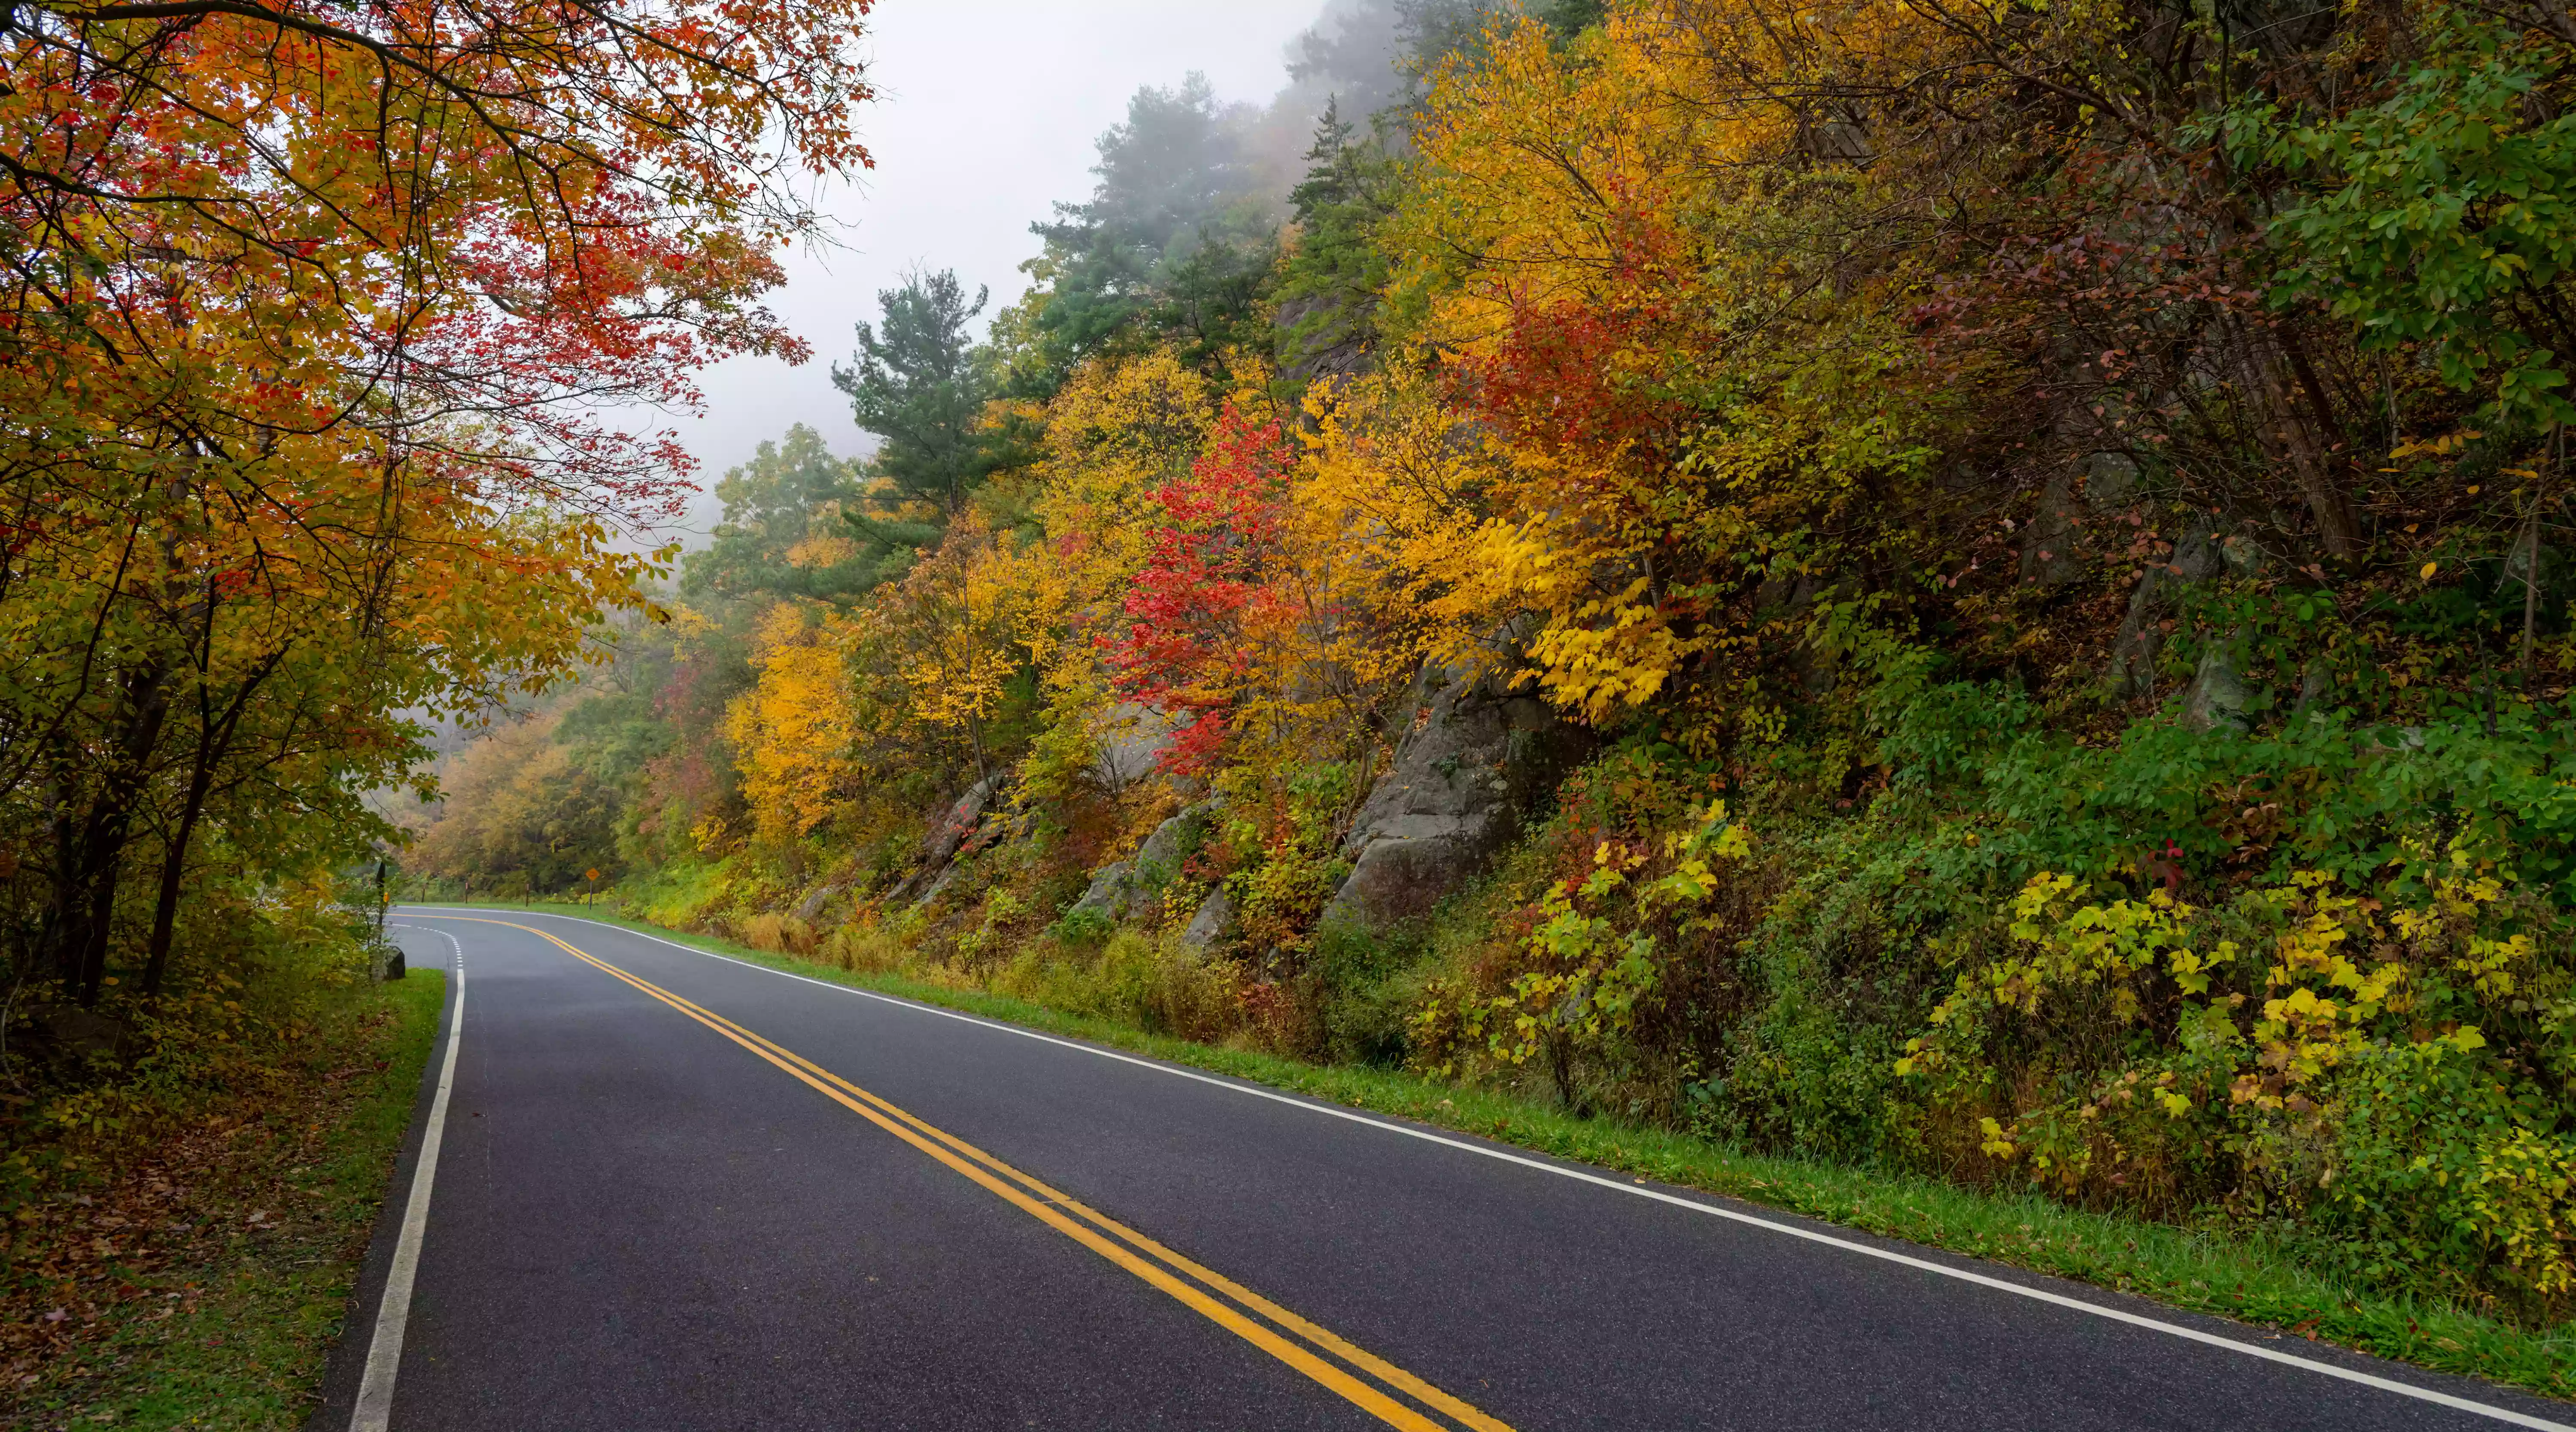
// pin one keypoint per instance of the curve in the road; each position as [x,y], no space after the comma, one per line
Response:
[1059,1211]
[606,1140]
[2323,1369]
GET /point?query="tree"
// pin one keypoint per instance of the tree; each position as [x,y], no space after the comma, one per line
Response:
[314,322]
[780,535]
[917,384]
[1171,243]
[1328,289]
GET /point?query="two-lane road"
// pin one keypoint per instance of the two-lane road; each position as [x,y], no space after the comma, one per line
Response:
[673,1191]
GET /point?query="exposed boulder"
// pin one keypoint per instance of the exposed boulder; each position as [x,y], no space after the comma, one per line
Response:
[1127,742]
[2110,482]
[1175,840]
[1121,889]
[2048,554]
[1322,340]
[812,905]
[2518,566]
[1476,759]
[2059,544]
[2218,694]
[2198,557]
[938,885]
[941,843]
[84,1032]
[1112,887]
[1212,926]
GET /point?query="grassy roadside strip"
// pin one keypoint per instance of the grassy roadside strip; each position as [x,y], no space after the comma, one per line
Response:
[200,1287]
[2202,1271]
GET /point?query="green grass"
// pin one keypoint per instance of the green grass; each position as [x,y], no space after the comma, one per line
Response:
[233,1333]
[2204,1271]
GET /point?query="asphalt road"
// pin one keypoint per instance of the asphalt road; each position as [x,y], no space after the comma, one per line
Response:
[677,1192]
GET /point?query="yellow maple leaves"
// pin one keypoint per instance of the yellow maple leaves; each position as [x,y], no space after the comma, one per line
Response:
[792,732]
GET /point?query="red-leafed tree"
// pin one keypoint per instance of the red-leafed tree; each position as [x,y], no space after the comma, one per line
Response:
[316,320]
[1194,612]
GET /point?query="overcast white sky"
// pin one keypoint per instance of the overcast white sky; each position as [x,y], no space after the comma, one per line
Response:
[985,116]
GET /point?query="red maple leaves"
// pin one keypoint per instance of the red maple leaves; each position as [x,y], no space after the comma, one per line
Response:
[1187,649]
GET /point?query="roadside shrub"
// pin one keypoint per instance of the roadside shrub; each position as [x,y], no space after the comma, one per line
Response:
[866,946]
[1135,979]
[2388,1075]
[778,934]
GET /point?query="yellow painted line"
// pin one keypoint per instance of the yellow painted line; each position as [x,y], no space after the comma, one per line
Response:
[1051,1207]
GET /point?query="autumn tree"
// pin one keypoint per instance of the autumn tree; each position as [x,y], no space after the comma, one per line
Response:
[313,333]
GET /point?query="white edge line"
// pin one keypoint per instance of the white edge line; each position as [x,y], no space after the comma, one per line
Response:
[2119,1315]
[375,1408]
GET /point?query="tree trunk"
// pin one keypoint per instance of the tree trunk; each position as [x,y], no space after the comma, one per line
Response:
[214,742]
[2531,563]
[2337,525]
[86,888]
[174,864]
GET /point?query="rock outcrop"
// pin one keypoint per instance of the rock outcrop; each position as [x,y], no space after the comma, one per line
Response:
[1476,759]
[2217,696]
[942,840]
[2061,539]
[940,844]
[2196,558]
[1127,743]
[1212,926]
[1122,889]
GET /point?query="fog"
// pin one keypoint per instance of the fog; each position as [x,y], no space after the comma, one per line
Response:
[986,117]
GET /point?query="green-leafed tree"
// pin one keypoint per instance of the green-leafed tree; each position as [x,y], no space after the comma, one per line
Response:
[917,383]
[1174,244]
[1328,291]
[764,545]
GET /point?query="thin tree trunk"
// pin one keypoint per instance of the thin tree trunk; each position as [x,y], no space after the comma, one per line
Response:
[212,745]
[975,739]
[2337,526]
[94,873]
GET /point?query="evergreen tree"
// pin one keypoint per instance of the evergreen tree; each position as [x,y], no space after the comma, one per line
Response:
[1174,243]
[1328,294]
[917,383]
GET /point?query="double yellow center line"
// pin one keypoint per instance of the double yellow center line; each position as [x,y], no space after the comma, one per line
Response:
[1385,1391]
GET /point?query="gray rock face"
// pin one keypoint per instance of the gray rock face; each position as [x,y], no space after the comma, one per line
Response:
[2198,557]
[1112,887]
[1121,889]
[2518,565]
[939,847]
[1212,925]
[2058,546]
[1160,857]
[938,884]
[812,905]
[2048,554]
[1453,797]
[960,822]
[2110,480]
[1126,744]
[2218,694]
[1322,343]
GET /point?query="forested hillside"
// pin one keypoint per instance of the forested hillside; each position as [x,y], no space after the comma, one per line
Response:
[1975,588]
